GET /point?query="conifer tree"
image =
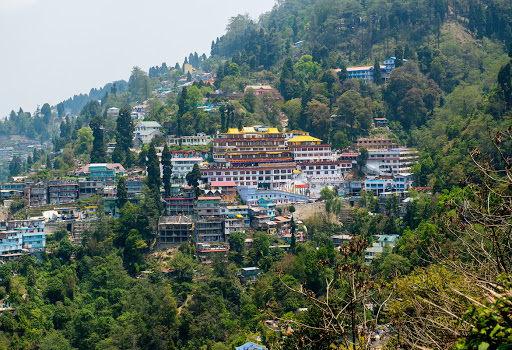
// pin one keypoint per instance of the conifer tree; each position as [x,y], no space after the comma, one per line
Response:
[167,170]
[98,153]
[48,163]
[376,72]
[124,138]
[153,166]
[122,193]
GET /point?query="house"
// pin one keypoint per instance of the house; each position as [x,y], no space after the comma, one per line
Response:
[338,240]
[260,90]
[380,122]
[227,188]
[146,130]
[269,205]
[206,253]
[249,274]
[380,242]
[113,112]
[182,166]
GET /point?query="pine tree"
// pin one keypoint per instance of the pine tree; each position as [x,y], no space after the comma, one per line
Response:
[122,193]
[194,176]
[48,163]
[124,138]
[376,72]
[98,153]
[167,170]
[153,166]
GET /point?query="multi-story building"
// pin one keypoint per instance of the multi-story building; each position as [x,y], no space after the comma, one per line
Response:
[251,158]
[210,229]
[146,130]
[174,230]
[314,159]
[180,204]
[36,194]
[209,206]
[366,73]
[391,161]
[236,219]
[227,189]
[62,191]
[88,188]
[347,162]
[394,184]
[182,166]
[6,153]
[11,244]
[251,195]
[105,172]
[200,139]
[382,141]
[134,186]
[32,232]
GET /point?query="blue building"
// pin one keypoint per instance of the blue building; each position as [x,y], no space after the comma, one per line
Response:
[18,237]
[366,73]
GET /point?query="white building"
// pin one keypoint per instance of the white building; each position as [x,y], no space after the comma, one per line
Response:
[112,112]
[391,161]
[182,166]
[145,131]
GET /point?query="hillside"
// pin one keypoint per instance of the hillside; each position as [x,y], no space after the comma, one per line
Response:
[429,270]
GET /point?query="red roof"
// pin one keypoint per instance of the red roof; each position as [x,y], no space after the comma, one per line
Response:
[205,198]
[223,184]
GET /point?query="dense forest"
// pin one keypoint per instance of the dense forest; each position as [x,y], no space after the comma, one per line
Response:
[445,285]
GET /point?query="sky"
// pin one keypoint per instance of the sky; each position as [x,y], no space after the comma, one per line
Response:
[51,50]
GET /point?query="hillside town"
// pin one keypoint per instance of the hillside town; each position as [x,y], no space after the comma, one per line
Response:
[251,179]
[333,174]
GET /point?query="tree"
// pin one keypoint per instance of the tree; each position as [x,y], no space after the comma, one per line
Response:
[98,153]
[355,110]
[376,72]
[288,86]
[46,111]
[194,176]
[319,117]
[60,110]
[362,158]
[15,166]
[139,85]
[153,168]
[124,138]
[48,163]
[237,244]
[167,170]
[122,193]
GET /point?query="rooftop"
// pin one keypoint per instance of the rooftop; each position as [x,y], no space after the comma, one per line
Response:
[223,184]
[304,138]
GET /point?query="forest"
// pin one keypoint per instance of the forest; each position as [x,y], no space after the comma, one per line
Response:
[445,285]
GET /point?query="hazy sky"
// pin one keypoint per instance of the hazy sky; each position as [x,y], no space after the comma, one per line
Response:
[53,49]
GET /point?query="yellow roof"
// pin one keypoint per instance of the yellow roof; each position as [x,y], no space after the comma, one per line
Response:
[233,131]
[296,171]
[248,129]
[272,131]
[304,138]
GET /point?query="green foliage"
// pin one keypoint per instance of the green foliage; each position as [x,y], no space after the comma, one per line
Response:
[124,138]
